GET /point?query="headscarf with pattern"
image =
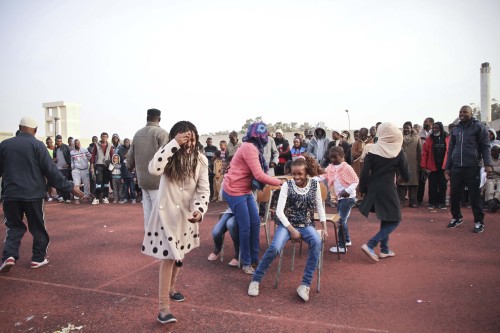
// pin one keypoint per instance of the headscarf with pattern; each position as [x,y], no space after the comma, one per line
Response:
[257,135]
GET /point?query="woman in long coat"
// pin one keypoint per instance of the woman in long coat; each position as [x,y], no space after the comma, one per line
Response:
[413,154]
[377,184]
[182,201]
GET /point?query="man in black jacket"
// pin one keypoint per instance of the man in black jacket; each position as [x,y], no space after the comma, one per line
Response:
[62,159]
[25,165]
[468,148]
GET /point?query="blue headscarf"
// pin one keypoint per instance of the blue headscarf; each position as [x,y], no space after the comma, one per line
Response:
[258,136]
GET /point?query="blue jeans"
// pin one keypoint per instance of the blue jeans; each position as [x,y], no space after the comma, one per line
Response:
[344,210]
[281,236]
[247,217]
[128,185]
[226,223]
[386,227]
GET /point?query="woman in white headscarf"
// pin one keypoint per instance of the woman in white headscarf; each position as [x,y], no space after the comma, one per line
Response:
[377,183]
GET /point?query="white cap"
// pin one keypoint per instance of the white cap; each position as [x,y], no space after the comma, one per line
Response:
[28,122]
[279,131]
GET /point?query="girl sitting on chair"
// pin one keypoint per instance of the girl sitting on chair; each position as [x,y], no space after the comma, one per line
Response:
[299,198]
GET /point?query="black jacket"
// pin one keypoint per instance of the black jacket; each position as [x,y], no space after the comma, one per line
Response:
[469,143]
[24,165]
[65,150]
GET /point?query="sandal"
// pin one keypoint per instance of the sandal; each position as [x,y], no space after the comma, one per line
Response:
[177,297]
[233,262]
[213,256]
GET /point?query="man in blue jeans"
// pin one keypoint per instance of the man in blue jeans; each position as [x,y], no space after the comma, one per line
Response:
[468,149]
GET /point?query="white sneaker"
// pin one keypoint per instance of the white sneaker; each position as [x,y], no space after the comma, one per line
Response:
[35,264]
[60,199]
[303,292]
[133,201]
[348,244]
[339,249]
[50,199]
[105,200]
[68,201]
[95,201]
[253,288]
[123,201]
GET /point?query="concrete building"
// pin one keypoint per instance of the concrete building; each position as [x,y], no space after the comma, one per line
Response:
[485,92]
[62,118]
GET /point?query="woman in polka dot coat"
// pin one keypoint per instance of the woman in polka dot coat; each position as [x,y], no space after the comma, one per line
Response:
[182,201]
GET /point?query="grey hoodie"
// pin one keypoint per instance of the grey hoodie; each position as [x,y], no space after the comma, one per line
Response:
[318,146]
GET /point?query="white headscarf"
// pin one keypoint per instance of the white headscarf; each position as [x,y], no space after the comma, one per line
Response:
[389,142]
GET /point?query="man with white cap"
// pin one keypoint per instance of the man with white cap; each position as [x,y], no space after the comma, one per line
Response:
[26,166]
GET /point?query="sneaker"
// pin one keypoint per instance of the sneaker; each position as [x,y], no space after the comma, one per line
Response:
[95,201]
[478,228]
[442,206]
[429,206]
[253,288]
[335,249]
[348,243]
[303,292]
[454,223]
[60,200]
[50,199]
[167,318]
[248,270]
[68,201]
[233,262]
[133,201]
[35,264]
[105,200]
[383,255]
[177,297]
[7,265]
[213,256]
[122,201]
[369,252]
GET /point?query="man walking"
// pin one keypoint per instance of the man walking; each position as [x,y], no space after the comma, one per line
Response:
[145,144]
[25,165]
[469,144]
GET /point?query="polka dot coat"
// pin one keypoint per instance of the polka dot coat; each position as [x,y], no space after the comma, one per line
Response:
[169,234]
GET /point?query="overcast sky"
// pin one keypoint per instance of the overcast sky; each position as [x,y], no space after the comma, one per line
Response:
[219,63]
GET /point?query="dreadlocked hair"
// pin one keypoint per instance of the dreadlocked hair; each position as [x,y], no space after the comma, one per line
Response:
[182,164]
[312,166]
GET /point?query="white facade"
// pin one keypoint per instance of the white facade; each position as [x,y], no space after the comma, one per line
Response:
[485,92]
[62,118]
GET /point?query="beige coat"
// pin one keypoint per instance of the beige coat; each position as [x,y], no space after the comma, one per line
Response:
[169,234]
[413,152]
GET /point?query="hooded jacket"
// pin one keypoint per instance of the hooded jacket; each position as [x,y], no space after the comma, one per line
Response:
[469,143]
[494,141]
[318,146]
[431,149]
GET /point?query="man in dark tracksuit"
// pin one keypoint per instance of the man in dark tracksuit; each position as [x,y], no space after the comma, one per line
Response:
[25,165]
[469,144]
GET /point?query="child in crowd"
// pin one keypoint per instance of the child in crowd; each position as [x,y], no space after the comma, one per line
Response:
[218,175]
[376,183]
[128,192]
[299,198]
[342,181]
[116,176]
[492,186]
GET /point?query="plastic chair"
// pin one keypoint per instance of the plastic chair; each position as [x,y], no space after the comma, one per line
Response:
[332,218]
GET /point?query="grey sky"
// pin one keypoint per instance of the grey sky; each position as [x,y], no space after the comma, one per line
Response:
[218,63]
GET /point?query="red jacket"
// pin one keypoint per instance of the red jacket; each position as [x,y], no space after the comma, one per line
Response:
[427,161]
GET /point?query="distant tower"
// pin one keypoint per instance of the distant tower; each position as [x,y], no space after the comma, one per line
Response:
[62,118]
[485,92]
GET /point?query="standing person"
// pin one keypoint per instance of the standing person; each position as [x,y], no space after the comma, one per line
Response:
[424,133]
[115,141]
[71,144]
[434,162]
[413,154]
[127,176]
[223,154]
[116,177]
[338,140]
[357,149]
[91,174]
[51,192]
[99,163]
[284,152]
[308,136]
[248,166]
[385,159]
[492,186]
[145,144]
[25,165]
[181,203]
[218,176]
[232,146]
[271,156]
[492,136]
[318,146]
[80,168]
[63,162]
[297,149]
[210,150]
[298,199]
[342,180]
[469,144]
